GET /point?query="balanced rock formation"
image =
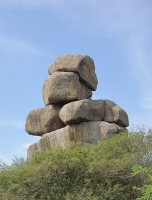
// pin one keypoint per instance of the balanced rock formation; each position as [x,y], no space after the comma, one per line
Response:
[70,115]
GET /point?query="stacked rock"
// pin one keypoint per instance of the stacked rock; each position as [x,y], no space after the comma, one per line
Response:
[70,114]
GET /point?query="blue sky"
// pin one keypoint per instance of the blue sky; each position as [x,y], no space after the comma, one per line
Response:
[116,34]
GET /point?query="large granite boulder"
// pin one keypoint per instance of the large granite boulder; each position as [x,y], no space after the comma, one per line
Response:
[82,111]
[43,120]
[64,87]
[115,114]
[81,65]
[86,133]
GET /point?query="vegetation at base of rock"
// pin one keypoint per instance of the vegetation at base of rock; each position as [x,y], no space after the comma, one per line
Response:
[115,168]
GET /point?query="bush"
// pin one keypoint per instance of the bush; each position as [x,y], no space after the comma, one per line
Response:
[99,172]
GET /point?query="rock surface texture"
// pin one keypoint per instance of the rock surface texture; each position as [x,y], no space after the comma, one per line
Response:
[81,65]
[86,133]
[82,111]
[69,115]
[64,87]
[43,120]
[115,114]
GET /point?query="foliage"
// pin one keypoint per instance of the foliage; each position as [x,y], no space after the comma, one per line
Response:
[106,171]
[146,189]
[142,158]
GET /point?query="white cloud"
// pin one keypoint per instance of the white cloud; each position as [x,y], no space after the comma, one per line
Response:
[25,145]
[130,21]
[127,20]
[12,124]
[22,149]
[20,46]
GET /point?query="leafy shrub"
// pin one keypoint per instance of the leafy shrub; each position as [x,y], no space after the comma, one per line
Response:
[100,172]
[146,174]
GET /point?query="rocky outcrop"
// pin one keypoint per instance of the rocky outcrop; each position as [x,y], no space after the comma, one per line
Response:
[85,133]
[69,115]
[81,65]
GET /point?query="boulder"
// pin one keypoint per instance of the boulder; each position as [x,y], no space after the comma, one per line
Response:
[45,90]
[86,133]
[81,65]
[31,150]
[70,116]
[82,111]
[115,114]
[63,87]
[59,138]
[107,129]
[43,120]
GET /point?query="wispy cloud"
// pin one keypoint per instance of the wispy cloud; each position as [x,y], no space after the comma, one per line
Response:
[22,149]
[127,20]
[15,124]
[20,46]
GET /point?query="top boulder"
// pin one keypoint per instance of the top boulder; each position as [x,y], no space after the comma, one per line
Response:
[81,65]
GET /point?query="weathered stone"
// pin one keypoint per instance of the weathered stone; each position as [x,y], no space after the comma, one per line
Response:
[64,87]
[82,111]
[115,114]
[31,150]
[59,138]
[85,133]
[45,91]
[54,139]
[82,65]
[43,120]
[70,84]
[107,129]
